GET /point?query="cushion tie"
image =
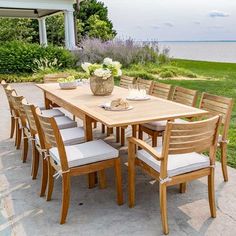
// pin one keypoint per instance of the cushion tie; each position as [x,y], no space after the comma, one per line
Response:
[60,173]
[167,179]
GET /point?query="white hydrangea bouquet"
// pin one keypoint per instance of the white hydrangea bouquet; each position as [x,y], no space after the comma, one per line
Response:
[101,75]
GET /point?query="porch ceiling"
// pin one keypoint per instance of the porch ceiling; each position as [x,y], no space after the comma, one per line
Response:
[26,12]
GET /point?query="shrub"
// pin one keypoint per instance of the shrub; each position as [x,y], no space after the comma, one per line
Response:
[126,52]
[19,57]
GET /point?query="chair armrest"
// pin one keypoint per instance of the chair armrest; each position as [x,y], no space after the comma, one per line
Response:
[146,147]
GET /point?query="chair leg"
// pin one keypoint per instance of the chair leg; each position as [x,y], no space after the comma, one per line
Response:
[182,187]
[122,136]
[163,208]
[25,148]
[65,197]
[44,177]
[154,140]
[223,148]
[211,193]
[51,172]
[91,180]
[117,134]
[118,182]
[140,133]
[16,131]
[131,175]
[35,161]
[13,124]
[19,135]
[102,179]
[103,128]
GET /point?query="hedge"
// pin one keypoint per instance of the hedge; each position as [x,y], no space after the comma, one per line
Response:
[18,57]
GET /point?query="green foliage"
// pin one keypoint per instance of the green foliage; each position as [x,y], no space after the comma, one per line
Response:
[86,14]
[16,29]
[92,21]
[98,28]
[18,57]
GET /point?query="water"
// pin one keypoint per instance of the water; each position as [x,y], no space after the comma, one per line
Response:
[205,51]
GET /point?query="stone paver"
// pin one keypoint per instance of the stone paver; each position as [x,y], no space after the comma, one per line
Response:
[94,211]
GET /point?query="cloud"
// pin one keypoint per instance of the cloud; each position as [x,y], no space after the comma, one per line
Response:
[169,24]
[156,27]
[216,27]
[216,13]
[139,27]
[196,22]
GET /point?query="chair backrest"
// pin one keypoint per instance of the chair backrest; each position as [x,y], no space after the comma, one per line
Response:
[4,84]
[9,91]
[52,137]
[126,81]
[19,109]
[146,83]
[191,137]
[161,90]
[185,96]
[218,105]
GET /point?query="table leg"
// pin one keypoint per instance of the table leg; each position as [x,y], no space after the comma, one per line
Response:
[134,130]
[88,121]
[47,102]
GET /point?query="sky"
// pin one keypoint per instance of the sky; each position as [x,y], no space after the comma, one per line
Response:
[173,20]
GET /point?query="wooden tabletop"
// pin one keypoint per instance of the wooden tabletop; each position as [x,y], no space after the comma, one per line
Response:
[81,100]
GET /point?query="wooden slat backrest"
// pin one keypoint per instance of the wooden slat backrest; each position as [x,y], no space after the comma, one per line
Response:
[20,109]
[185,96]
[218,105]
[53,137]
[126,81]
[9,91]
[190,137]
[29,111]
[161,90]
[146,83]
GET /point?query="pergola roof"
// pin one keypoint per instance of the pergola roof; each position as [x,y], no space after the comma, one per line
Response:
[33,8]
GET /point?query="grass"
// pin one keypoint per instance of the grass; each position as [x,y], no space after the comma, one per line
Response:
[221,80]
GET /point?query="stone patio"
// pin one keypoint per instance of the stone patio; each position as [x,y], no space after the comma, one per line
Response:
[94,211]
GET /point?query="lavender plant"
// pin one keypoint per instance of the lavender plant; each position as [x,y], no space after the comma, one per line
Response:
[127,52]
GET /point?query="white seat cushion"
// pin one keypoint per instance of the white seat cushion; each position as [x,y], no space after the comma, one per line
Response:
[156,125]
[52,112]
[177,164]
[86,153]
[70,136]
[161,125]
[64,122]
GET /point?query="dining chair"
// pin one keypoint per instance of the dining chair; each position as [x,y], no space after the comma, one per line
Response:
[223,106]
[8,91]
[155,129]
[162,90]
[126,81]
[147,84]
[70,136]
[76,160]
[179,160]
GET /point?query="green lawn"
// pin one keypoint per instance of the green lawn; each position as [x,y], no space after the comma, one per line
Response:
[221,81]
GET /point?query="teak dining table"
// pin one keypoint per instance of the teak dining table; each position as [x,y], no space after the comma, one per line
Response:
[84,105]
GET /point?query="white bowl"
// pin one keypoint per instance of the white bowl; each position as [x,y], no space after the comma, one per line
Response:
[68,85]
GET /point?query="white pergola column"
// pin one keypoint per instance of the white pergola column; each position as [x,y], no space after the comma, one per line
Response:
[69,30]
[43,32]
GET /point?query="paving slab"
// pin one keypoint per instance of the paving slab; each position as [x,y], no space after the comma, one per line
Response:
[94,211]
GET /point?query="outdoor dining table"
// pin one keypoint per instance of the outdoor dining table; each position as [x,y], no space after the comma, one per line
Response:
[83,104]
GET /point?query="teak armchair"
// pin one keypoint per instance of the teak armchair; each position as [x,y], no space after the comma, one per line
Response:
[220,105]
[76,160]
[155,129]
[178,160]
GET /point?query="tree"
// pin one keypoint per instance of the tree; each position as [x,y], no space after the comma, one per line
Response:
[16,29]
